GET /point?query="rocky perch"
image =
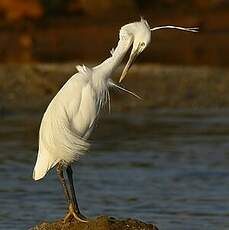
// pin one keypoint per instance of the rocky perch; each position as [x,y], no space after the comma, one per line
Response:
[100,223]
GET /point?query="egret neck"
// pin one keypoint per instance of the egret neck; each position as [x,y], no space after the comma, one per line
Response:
[107,67]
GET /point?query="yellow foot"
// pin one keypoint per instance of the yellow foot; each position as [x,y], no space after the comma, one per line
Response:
[76,215]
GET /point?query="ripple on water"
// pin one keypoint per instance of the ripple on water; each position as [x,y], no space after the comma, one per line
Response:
[166,167]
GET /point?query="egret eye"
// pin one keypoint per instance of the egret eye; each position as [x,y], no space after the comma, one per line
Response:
[143,44]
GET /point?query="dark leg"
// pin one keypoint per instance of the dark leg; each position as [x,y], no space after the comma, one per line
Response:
[74,204]
[72,189]
[60,173]
[71,198]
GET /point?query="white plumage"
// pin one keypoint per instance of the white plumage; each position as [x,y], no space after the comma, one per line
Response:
[68,121]
[61,137]
[70,117]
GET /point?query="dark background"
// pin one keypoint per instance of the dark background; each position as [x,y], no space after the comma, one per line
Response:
[163,159]
[85,31]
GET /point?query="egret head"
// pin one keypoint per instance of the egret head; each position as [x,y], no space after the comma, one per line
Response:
[138,34]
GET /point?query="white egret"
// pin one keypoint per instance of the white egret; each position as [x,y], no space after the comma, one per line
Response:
[71,115]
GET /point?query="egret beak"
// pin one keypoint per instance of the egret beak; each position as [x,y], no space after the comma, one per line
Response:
[134,53]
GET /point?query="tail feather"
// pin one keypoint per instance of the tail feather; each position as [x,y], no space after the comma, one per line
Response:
[43,165]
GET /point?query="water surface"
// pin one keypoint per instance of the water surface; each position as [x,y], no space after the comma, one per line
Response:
[169,167]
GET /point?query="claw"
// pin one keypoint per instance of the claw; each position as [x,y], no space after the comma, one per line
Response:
[72,213]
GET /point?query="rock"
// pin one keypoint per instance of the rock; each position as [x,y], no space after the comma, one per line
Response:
[100,223]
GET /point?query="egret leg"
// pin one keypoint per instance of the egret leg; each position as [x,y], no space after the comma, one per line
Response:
[60,173]
[73,206]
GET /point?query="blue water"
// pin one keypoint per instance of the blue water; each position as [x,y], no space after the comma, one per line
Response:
[168,167]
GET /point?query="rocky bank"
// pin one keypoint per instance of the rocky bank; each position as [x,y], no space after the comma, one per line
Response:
[100,223]
[32,86]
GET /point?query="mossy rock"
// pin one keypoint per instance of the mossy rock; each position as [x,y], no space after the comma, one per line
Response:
[100,223]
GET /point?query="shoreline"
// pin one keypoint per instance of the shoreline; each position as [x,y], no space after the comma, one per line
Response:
[32,86]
